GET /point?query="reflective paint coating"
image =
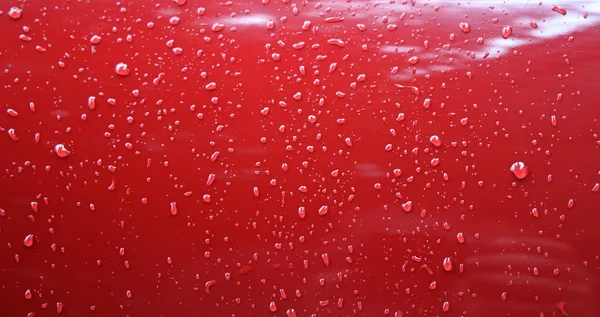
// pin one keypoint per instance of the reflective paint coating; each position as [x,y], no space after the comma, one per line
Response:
[299,158]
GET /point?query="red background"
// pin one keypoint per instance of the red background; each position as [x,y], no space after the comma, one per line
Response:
[158,146]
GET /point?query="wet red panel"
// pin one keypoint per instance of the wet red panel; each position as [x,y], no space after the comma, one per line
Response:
[299,158]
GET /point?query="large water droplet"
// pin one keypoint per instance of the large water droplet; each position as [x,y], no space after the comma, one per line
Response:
[435,140]
[447,264]
[28,241]
[519,169]
[122,69]
[558,9]
[61,150]
[465,27]
[446,306]
[506,31]
[15,13]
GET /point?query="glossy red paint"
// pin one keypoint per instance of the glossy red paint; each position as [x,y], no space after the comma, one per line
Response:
[290,158]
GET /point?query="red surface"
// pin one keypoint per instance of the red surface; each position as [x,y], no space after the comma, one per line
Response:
[98,250]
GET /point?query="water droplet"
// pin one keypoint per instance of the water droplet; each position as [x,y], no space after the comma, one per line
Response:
[174,20]
[217,27]
[272,307]
[446,307]
[413,60]
[325,258]
[208,285]
[506,31]
[561,307]
[558,9]
[28,241]
[336,42]
[211,179]
[535,213]
[291,313]
[92,102]
[95,39]
[323,210]
[348,142]
[426,103]
[211,86]
[61,150]
[15,13]
[334,19]
[435,140]
[460,237]
[520,170]
[13,135]
[465,27]
[447,264]
[122,69]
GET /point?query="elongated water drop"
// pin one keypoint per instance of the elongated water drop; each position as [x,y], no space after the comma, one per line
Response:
[28,241]
[506,31]
[558,9]
[447,264]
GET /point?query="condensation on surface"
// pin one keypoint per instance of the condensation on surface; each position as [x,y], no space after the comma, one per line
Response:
[299,158]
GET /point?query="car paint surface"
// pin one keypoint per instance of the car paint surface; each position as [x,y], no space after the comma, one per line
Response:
[299,158]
